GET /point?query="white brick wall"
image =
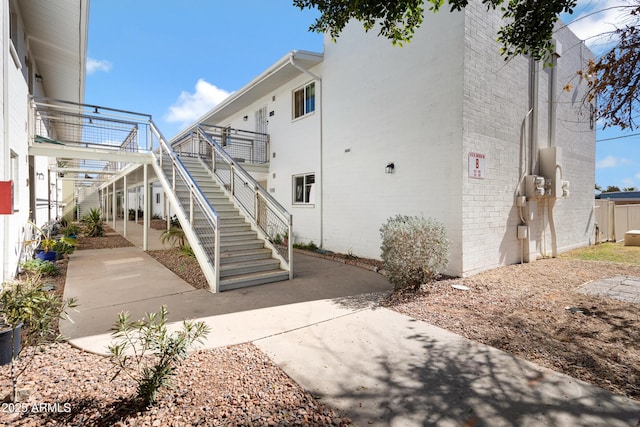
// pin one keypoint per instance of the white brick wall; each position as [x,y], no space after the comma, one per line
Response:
[424,107]
[495,104]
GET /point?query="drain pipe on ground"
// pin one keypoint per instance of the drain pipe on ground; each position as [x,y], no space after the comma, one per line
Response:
[292,56]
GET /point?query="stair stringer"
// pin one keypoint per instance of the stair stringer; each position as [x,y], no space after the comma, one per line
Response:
[209,269]
[274,252]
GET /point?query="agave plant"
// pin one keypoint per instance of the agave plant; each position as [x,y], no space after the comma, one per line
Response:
[93,223]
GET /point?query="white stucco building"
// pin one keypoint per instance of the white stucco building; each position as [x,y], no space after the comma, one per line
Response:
[461,127]
[458,128]
[43,54]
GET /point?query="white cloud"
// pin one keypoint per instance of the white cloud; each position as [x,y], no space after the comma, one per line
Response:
[596,19]
[638,175]
[94,65]
[627,182]
[191,106]
[611,162]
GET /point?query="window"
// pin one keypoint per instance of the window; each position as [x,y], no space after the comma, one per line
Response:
[304,100]
[303,188]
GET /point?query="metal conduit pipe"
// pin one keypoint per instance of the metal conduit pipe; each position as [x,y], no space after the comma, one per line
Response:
[553,105]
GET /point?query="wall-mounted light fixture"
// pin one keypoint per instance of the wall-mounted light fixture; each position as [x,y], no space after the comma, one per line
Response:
[389,168]
[245,118]
[38,78]
[40,176]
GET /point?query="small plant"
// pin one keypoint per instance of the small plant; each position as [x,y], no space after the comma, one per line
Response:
[29,305]
[306,246]
[174,235]
[36,267]
[187,251]
[71,230]
[94,226]
[149,336]
[65,246]
[280,239]
[414,250]
[45,240]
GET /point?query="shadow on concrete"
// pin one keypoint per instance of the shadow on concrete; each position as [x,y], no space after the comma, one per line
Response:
[109,281]
[382,368]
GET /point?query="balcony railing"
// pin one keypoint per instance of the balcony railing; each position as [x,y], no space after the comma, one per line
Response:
[242,146]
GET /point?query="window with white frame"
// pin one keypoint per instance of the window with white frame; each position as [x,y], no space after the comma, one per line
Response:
[304,100]
[303,189]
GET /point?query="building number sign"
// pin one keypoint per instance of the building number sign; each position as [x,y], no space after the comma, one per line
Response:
[476,165]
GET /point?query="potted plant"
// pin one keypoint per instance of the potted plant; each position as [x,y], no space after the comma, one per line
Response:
[71,230]
[46,249]
[29,315]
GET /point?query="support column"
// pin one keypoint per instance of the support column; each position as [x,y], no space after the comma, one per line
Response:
[145,209]
[113,206]
[125,206]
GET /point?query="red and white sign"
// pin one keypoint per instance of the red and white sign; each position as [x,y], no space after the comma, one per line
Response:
[476,165]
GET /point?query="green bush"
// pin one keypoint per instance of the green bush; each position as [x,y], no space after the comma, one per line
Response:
[94,226]
[414,250]
[139,338]
[39,311]
[71,230]
[36,267]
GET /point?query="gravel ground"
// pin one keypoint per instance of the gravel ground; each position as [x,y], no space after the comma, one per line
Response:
[522,309]
[231,386]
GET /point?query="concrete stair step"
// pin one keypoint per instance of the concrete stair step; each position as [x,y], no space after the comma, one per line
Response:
[248,267]
[246,255]
[253,279]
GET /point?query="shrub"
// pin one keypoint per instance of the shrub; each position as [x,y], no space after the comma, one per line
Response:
[414,250]
[36,267]
[38,310]
[93,223]
[141,338]
[71,230]
[175,236]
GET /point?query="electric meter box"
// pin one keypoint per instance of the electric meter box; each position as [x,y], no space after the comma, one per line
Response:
[632,238]
[6,197]
[551,168]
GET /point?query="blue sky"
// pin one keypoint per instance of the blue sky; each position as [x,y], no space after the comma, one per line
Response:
[177,59]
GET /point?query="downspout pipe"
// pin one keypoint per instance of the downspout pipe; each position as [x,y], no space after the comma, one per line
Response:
[533,97]
[292,58]
[553,113]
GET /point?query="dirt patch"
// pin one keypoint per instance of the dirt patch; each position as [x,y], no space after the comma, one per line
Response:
[535,311]
[185,267]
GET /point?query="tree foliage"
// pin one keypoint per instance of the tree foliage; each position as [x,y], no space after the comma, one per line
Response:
[528,25]
[615,77]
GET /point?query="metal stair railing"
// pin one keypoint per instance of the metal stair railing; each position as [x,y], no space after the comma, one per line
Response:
[193,212]
[270,219]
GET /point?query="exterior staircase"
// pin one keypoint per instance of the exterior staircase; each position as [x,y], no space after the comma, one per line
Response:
[245,260]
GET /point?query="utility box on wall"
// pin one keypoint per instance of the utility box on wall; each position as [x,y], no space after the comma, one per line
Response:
[551,169]
[6,197]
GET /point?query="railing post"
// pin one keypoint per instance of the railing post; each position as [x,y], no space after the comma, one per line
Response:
[191,207]
[216,260]
[232,179]
[290,247]
[256,206]
[173,177]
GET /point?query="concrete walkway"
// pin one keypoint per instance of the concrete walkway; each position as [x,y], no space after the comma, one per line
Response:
[325,330]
